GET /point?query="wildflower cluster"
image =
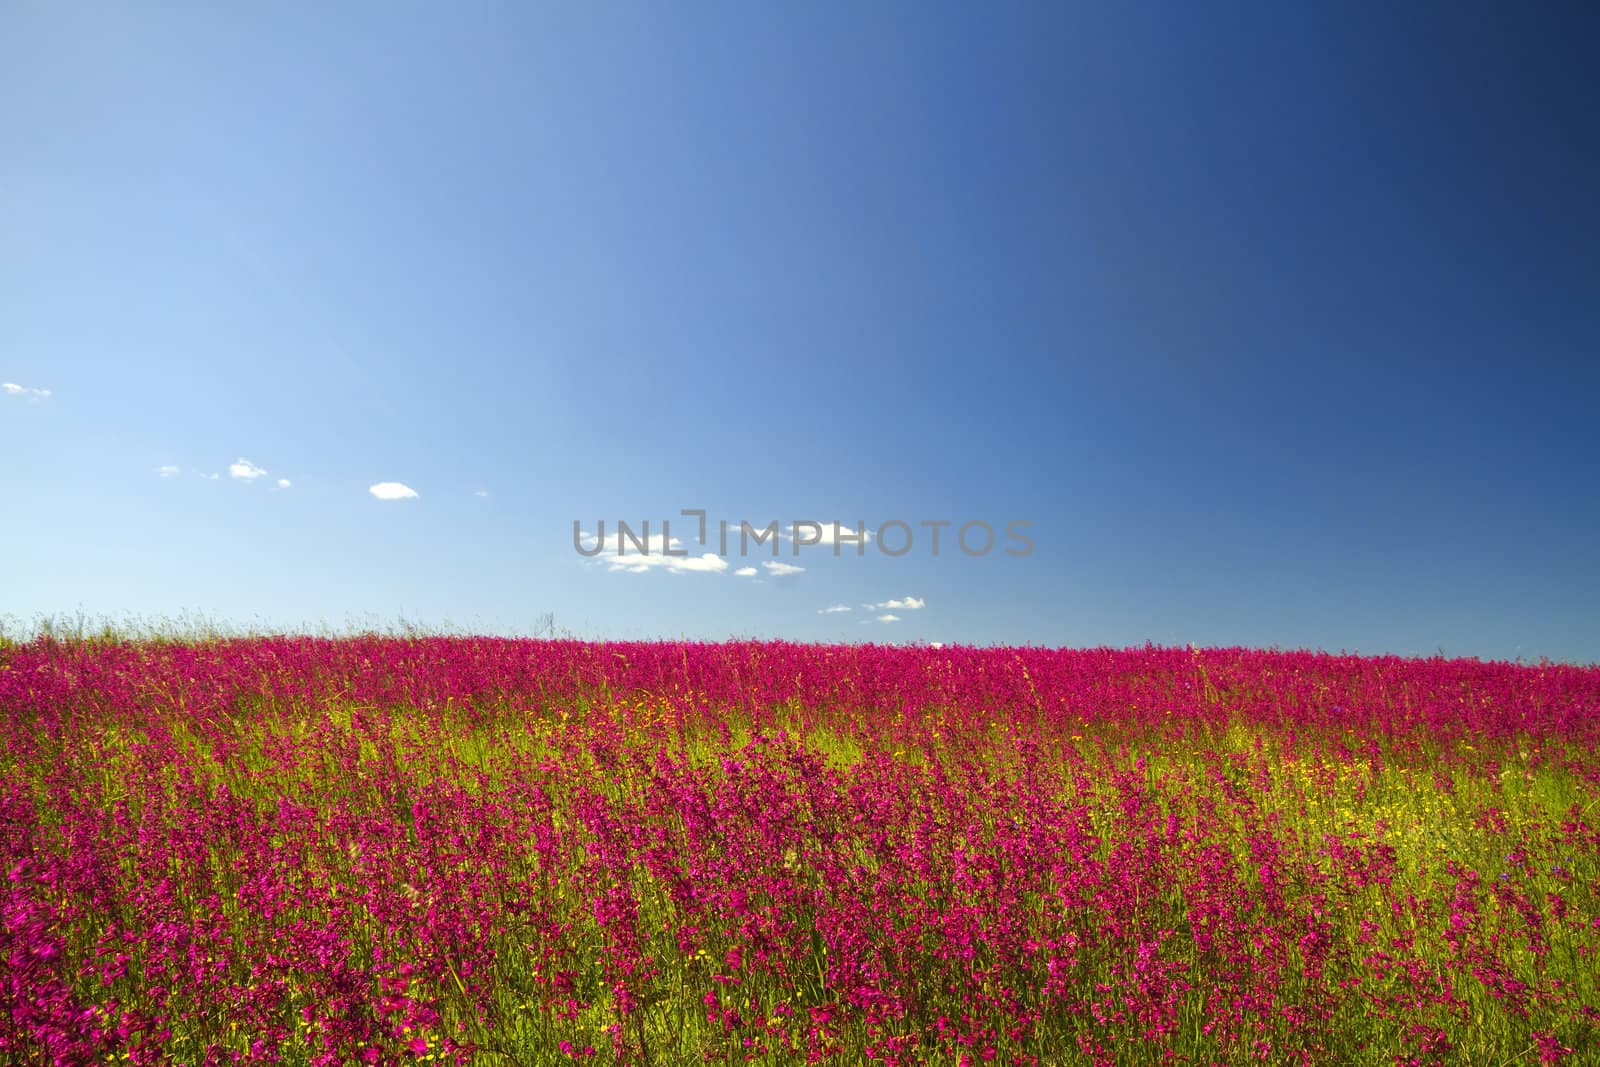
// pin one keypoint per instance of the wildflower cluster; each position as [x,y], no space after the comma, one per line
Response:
[452,851]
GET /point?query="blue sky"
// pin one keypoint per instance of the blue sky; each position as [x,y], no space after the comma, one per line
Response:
[1278,323]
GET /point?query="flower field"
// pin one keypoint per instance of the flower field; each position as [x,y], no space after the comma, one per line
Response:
[503,852]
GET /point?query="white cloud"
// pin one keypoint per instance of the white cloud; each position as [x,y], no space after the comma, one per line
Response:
[654,557]
[910,603]
[284,483]
[709,563]
[746,572]
[888,618]
[211,477]
[168,471]
[833,610]
[615,545]
[847,534]
[244,469]
[392,491]
[935,644]
[482,493]
[781,570]
[13,389]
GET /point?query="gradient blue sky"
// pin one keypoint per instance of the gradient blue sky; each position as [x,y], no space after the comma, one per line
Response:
[1279,322]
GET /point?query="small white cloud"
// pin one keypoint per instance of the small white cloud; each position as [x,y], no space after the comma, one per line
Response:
[630,560]
[746,572]
[710,563]
[211,477]
[834,609]
[392,491]
[13,389]
[935,644]
[888,618]
[168,471]
[781,570]
[615,545]
[284,483]
[244,469]
[484,493]
[910,603]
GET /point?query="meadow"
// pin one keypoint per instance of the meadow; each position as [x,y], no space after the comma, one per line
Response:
[312,851]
